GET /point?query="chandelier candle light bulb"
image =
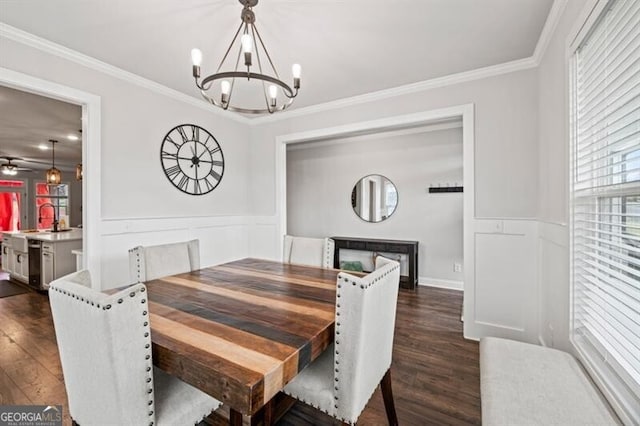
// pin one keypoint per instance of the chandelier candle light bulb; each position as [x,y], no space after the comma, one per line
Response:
[273,94]
[250,41]
[225,89]
[296,70]
[196,58]
[246,48]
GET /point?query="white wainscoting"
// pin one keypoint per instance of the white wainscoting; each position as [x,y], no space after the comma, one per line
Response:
[553,255]
[222,239]
[501,280]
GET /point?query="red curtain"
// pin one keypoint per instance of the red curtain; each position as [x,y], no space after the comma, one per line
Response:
[9,211]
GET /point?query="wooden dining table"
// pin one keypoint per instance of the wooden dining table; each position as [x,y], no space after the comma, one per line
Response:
[241,331]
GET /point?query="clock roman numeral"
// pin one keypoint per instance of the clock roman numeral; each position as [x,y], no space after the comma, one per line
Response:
[173,171]
[197,189]
[195,131]
[169,156]
[184,182]
[214,150]
[183,134]
[217,163]
[214,175]
[170,140]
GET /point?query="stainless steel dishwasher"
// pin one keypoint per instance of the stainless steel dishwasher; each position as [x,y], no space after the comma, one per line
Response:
[35,269]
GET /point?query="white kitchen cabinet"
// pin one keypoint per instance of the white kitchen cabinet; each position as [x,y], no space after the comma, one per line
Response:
[58,260]
[7,256]
[20,266]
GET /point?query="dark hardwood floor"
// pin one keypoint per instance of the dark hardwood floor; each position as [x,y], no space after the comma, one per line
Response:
[435,372]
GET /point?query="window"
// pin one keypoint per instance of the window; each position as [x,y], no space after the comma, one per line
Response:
[605,204]
[50,200]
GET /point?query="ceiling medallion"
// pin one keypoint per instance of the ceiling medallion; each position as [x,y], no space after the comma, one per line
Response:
[250,43]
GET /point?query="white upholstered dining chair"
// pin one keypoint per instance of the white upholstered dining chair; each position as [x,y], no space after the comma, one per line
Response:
[342,379]
[105,350]
[308,251]
[151,262]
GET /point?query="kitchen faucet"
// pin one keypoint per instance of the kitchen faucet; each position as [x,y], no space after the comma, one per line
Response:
[55,220]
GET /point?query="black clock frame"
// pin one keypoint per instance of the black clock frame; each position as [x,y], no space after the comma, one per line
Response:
[194,162]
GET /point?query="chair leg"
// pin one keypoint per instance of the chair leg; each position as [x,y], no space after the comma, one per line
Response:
[387,395]
[235,418]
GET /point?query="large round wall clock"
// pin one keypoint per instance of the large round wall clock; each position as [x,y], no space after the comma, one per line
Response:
[192,159]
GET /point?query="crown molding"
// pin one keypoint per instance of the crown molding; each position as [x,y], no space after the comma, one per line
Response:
[555,13]
[47,46]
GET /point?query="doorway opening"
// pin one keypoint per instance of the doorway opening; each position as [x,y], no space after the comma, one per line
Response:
[86,134]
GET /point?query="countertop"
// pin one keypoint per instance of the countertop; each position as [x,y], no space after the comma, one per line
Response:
[51,237]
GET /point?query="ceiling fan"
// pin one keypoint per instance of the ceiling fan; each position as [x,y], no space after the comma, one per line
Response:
[11,169]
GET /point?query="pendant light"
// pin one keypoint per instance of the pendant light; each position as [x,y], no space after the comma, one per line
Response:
[53,175]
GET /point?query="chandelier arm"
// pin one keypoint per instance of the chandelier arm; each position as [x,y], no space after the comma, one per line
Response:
[292,96]
[230,46]
[275,71]
[264,89]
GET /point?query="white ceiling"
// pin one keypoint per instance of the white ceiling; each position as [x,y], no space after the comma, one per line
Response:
[28,120]
[346,47]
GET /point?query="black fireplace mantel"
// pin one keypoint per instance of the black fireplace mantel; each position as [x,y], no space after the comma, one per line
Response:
[410,248]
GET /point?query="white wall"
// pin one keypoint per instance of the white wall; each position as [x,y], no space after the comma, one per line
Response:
[553,183]
[138,202]
[321,176]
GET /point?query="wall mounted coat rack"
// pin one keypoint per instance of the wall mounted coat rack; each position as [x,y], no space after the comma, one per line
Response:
[441,189]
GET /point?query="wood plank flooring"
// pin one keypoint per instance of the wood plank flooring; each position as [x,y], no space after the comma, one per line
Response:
[435,372]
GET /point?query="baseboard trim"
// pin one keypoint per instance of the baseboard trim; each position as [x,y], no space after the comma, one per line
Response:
[440,283]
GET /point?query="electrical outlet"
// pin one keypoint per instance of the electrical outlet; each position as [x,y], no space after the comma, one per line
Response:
[457,267]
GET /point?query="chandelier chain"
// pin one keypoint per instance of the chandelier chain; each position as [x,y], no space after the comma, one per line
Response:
[229,48]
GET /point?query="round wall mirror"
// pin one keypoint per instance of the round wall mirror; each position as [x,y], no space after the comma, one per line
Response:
[374,198]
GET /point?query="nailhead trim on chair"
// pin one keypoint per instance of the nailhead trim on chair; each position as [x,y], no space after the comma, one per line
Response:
[137,250]
[337,342]
[145,325]
[328,255]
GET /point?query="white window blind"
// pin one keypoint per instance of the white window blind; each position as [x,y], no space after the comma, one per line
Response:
[605,204]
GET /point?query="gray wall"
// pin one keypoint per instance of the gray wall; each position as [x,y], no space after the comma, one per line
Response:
[506,140]
[320,178]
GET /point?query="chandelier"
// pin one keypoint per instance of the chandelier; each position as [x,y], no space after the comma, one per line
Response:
[250,45]
[53,175]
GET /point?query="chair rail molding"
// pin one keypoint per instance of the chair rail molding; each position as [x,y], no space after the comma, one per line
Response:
[222,239]
[91,140]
